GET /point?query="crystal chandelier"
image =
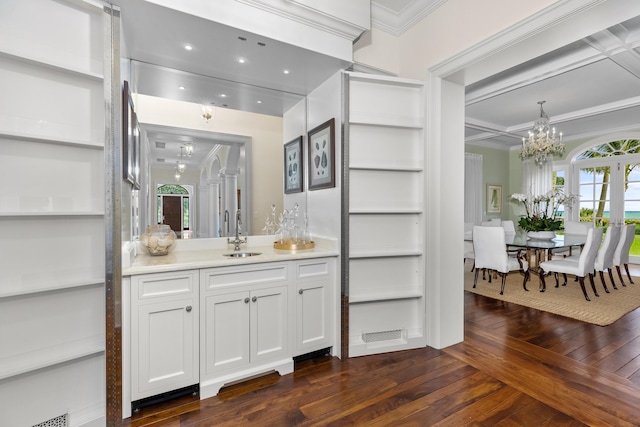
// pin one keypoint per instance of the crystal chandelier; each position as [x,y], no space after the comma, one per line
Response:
[542,142]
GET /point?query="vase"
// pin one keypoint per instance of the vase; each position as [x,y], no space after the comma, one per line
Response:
[158,239]
[542,235]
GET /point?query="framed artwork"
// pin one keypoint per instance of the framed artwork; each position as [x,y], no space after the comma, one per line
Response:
[322,158]
[293,166]
[128,143]
[494,198]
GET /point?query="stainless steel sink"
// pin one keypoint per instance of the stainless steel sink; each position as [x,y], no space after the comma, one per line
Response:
[242,254]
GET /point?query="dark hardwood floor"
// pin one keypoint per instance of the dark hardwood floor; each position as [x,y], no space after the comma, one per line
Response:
[516,367]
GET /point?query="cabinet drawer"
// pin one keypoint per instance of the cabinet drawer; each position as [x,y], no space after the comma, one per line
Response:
[312,269]
[216,278]
[164,284]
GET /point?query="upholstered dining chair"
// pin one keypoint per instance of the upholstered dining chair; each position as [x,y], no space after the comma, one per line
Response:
[604,258]
[490,251]
[621,254]
[581,267]
[573,228]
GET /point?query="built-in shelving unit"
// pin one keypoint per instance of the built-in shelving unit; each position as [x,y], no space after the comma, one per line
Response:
[384,143]
[52,211]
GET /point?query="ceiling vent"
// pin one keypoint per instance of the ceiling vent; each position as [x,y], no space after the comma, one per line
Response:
[160,160]
[160,144]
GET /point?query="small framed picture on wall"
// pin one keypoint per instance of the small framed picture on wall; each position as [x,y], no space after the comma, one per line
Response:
[293,166]
[494,199]
[322,158]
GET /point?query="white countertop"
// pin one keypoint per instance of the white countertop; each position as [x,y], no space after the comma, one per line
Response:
[205,253]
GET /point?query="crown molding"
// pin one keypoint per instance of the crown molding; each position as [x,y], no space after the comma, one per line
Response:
[312,17]
[395,23]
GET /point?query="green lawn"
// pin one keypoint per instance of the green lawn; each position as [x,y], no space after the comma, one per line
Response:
[635,246]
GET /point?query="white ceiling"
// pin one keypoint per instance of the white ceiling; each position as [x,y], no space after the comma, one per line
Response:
[590,86]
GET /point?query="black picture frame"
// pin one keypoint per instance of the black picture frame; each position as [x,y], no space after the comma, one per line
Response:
[321,150]
[128,143]
[293,166]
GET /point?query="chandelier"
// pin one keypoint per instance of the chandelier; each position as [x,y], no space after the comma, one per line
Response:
[542,142]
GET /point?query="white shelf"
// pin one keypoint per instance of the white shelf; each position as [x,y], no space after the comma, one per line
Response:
[383,296]
[387,80]
[390,124]
[385,168]
[23,136]
[51,65]
[39,288]
[50,214]
[41,358]
[355,254]
[385,211]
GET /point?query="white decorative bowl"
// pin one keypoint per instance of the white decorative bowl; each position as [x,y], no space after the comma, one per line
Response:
[541,235]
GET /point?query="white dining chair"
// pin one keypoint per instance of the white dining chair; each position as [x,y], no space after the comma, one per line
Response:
[604,258]
[491,254]
[621,254]
[581,267]
[573,228]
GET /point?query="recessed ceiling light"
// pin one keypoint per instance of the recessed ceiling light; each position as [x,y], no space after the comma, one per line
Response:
[223,95]
[242,60]
[285,71]
[259,102]
[181,87]
[188,47]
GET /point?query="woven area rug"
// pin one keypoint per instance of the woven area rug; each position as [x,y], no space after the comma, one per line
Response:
[567,300]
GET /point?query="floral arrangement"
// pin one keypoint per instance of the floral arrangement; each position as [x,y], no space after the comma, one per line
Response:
[542,212]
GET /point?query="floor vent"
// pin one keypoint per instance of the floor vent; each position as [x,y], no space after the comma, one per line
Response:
[60,421]
[369,337]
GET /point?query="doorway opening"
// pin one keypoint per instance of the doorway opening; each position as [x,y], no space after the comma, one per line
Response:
[174,208]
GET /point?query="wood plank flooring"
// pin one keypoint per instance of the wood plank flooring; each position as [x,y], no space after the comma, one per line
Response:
[516,367]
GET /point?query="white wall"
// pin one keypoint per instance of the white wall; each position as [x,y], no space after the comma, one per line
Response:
[323,205]
[295,124]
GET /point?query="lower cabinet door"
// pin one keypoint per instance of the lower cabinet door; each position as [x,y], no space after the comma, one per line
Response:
[313,323]
[269,324]
[165,347]
[226,332]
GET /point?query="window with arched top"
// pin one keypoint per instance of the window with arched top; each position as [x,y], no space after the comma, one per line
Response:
[172,189]
[607,179]
[613,148]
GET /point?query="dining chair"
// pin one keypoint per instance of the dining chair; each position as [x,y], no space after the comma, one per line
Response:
[621,254]
[580,267]
[573,228]
[604,258]
[491,253]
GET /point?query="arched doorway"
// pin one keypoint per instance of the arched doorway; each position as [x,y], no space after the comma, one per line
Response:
[174,207]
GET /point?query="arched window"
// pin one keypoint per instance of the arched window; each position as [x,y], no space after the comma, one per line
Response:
[172,189]
[613,148]
[607,178]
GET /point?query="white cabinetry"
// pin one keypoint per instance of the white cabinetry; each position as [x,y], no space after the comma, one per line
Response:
[384,141]
[314,305]
[245,323]
[164,332]
[52,198]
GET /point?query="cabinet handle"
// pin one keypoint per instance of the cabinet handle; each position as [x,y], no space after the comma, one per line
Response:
[254,299]
[246,300]
[188,308]
[301,291]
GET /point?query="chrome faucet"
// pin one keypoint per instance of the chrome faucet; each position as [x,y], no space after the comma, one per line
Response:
[237,241]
